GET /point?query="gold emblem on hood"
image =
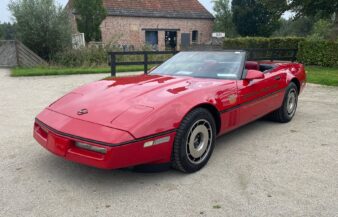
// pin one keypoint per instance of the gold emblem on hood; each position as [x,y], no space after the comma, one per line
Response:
[82,112]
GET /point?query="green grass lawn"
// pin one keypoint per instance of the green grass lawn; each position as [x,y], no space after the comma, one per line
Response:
[43,71]
[322,75]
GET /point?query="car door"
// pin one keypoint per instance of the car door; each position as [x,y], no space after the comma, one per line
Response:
[260,96]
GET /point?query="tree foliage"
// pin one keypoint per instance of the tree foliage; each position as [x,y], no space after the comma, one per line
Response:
[89,16]
[300,27]
[319,9]
[253,18]
[7,31]
[223,15]
[322,30]
[41,25]
[277,7]
[313,8]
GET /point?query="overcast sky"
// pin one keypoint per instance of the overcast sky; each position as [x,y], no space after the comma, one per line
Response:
[5,15]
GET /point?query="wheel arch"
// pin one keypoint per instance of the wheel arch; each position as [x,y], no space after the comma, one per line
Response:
[297,83]
[213,111]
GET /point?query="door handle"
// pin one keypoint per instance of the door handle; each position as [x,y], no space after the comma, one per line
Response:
[277,78]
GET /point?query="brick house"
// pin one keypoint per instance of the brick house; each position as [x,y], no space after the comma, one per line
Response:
[163,24]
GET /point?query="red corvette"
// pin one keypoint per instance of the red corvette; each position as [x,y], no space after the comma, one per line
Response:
[171,115]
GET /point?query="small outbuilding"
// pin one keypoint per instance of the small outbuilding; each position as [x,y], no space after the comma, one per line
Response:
[162,24]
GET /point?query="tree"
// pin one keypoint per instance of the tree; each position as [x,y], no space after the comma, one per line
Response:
[42,26]
[253,18]
[300,27]
[223,15]
[322,30]
[277,7]
[320,9]
[89,16]
[7,31]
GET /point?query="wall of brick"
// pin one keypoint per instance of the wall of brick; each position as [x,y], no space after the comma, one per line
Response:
[130,30]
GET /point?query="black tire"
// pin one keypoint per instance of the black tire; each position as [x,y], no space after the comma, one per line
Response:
[285,113]
[195,136]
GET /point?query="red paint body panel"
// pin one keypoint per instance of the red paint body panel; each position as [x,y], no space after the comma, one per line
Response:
[116,157]
[84,129]
[125,113]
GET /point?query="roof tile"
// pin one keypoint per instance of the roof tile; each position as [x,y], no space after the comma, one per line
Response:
[157,8]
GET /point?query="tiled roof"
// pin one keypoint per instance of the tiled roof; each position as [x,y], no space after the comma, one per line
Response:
[157,8]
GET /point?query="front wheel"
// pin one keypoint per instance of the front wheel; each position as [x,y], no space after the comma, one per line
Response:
[194,142]
[288,110]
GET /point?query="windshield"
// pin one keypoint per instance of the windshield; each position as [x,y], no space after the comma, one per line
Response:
[218,65]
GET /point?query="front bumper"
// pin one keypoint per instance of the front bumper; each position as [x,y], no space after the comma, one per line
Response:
[119,155]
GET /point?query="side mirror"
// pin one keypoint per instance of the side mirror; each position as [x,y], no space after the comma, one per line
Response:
[254,74]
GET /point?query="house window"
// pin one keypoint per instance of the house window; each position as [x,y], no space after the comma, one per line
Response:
[152,37]
[194,36]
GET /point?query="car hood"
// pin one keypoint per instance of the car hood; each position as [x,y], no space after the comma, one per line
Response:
[136,97]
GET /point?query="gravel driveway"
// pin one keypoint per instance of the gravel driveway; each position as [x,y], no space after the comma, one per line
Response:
[263,169]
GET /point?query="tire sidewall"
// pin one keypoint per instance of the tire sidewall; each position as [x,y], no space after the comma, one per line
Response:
[285,113]
[182,140]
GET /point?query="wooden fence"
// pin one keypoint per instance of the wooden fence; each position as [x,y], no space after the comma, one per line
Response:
[252,54]
[14,53]
[146,61]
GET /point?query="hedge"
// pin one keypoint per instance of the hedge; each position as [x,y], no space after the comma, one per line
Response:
[97,57]
[319,53]
[259,42]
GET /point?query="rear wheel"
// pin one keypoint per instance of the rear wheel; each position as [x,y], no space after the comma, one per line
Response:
[288,110]
[194,142]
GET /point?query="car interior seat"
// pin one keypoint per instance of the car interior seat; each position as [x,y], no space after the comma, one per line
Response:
[251,65]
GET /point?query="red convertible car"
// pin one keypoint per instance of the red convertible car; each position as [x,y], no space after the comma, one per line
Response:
[171,115]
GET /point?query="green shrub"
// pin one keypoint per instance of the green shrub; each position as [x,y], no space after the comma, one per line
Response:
[264,43]
[322,30]
[320,53]
[85,57]
[260,42]
[93,57]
